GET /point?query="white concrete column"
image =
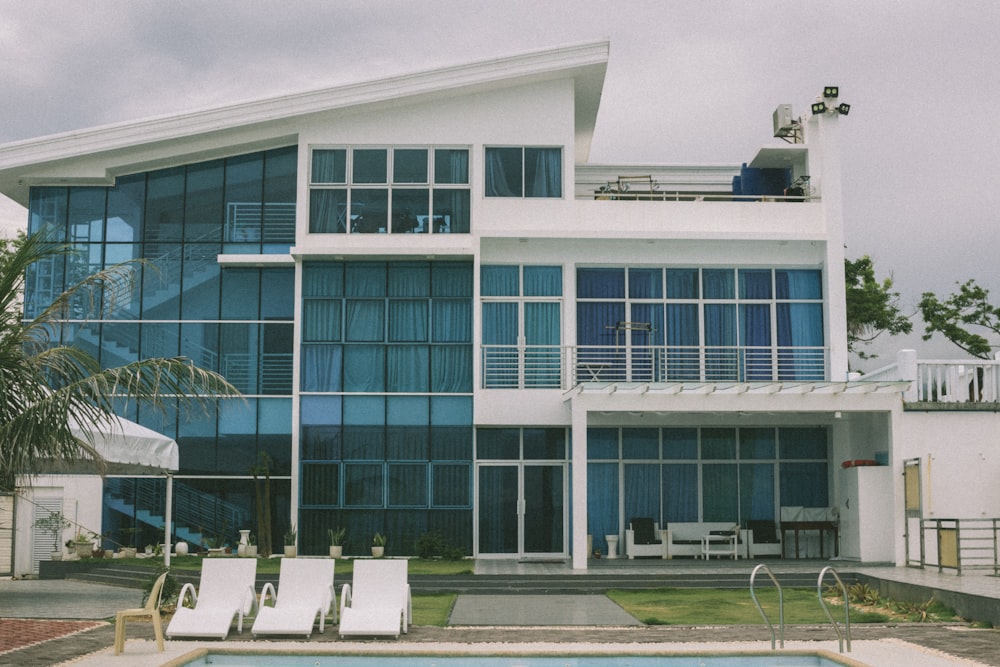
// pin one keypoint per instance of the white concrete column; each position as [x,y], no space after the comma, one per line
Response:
[906,362]
[578,461]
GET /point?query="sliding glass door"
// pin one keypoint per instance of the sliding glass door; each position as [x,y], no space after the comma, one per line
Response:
[522,510]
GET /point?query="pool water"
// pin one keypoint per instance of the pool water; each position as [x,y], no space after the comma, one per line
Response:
[732,660]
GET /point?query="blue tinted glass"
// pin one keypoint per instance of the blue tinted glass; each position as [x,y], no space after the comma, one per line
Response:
[161,282]
[451,165]
[278,230]
[328,211]
[544,443]
[47,210]
[451,411]
[755,283]
[602,443]
[240,294]
[204,203]
[410,208]
[542,172]
[364,410]
[640,443]
[543,281]
[498,443]
[200,282]
[86,214]
[682,283]
[126,203]
[369,211]
[499,281]
[200,343]
[159,340]
[757,443]
[329,165]
[407,485]
[600,283]
[365,279]
[407,368]
[370,165]
[239,349]
[322,279]
[451,211]
[244,194]
[277,299]
[452,321]
[274,415]
[409,279]
[680,443]
[365,320]
[718,443]
[718,284]
[409,165]
[451,369]
[322,367]
[798,284]
[321,320]
[802,443]
[119,344]
[504,174]
[451,279]
[645,283]
[408,410]
[238,417]
[452,486]
[364,368]
[321,410]
[165,205]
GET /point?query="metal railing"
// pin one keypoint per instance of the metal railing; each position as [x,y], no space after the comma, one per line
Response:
[781,603]
[555,367]
[961,544]
[256,221]
[846,634]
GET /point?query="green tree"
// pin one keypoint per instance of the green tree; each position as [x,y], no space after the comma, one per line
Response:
[44,383]
[872,306]
[968,307]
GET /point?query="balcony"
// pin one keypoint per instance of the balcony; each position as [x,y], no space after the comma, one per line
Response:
[945,384]
[562,367]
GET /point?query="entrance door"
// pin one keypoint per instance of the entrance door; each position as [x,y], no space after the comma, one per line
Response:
[522,510]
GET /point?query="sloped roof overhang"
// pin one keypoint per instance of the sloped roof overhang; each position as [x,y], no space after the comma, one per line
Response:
[97,155]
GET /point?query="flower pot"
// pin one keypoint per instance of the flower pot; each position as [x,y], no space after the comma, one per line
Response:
[336,551]
[128,552]
[378,552]
[241,550]
[289,551]
[251,551]
[181,549]
[84,549]
[55,555]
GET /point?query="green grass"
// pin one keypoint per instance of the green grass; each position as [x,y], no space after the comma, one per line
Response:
[432,608]
[702,606]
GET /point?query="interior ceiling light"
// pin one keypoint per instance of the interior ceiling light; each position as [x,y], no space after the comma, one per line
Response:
[831,92]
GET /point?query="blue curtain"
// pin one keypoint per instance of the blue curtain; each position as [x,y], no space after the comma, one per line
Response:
[800,325]
[364,368]
[407,320]
[756,491]
[683,357]
[543,172]
[365,320]
[543,281]
[500,328]
[602,502]
[642,491]
[499,281]
[451,369]
[755,335]
[321,367]
[541,328]
[452,320]
[680,492]
[720,492]
[407,368]
[721,359]
[804,484]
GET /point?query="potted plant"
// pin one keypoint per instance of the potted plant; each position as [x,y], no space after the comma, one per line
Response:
[378,545]
[290,539]
[54,524]
[84,545]
[336,536]
[251,550]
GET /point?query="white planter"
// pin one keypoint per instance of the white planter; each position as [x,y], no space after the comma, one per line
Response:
[289,551]
[336,551]
[378,552]
[55,555]
[181,549]
[251,551]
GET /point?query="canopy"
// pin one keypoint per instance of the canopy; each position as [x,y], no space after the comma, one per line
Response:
[130,448]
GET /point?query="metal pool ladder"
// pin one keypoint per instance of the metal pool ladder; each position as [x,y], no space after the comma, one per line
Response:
[781,604]
[847,609]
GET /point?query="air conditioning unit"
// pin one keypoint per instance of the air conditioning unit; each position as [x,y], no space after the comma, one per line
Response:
[783,123]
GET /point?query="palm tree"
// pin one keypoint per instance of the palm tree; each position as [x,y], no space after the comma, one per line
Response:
[43,383]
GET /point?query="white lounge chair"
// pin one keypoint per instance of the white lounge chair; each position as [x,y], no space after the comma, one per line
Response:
[226,590]
[379,602]
[305,590]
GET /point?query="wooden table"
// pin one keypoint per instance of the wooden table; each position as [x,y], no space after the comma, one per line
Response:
[821,526]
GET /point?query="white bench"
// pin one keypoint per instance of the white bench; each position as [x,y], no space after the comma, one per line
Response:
[686,539]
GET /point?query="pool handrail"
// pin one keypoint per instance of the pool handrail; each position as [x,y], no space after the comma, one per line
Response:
[781,603]
[847,608]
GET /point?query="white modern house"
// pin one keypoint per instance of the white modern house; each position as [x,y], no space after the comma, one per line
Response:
[448,321]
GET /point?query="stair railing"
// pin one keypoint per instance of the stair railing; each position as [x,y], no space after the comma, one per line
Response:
[781,603]
[826,608]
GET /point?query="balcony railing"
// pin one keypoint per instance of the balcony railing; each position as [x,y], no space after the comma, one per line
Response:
[952,381]
[562,367]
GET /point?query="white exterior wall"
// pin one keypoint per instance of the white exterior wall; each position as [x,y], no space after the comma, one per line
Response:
[82,505]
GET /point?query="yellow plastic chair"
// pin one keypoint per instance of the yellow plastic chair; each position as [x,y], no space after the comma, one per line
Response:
[151,611]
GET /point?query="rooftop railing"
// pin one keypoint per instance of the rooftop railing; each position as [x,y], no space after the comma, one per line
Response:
[946,381]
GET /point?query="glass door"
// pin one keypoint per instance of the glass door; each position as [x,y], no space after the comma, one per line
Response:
[522,510]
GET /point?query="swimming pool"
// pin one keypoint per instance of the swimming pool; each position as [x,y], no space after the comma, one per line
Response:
[278,659]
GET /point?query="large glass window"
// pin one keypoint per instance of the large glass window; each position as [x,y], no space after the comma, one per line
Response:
[523,172]
[676,324]
[521,303]
[365,190]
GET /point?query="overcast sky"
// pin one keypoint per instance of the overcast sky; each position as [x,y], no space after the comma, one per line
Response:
[687,83]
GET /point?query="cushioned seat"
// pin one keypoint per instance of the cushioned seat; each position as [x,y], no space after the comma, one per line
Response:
[644,538]
[763,539]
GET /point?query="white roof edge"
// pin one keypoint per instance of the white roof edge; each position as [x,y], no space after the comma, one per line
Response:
[478,73]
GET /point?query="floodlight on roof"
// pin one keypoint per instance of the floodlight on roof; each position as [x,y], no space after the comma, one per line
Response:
[819,107]
[843,108]
[831,92]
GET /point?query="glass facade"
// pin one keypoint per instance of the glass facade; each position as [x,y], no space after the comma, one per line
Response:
[386,407]
[236,321]
[702,474]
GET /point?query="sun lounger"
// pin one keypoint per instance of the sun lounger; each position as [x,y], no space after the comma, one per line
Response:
[378,603]
[226,591]
[305,591]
